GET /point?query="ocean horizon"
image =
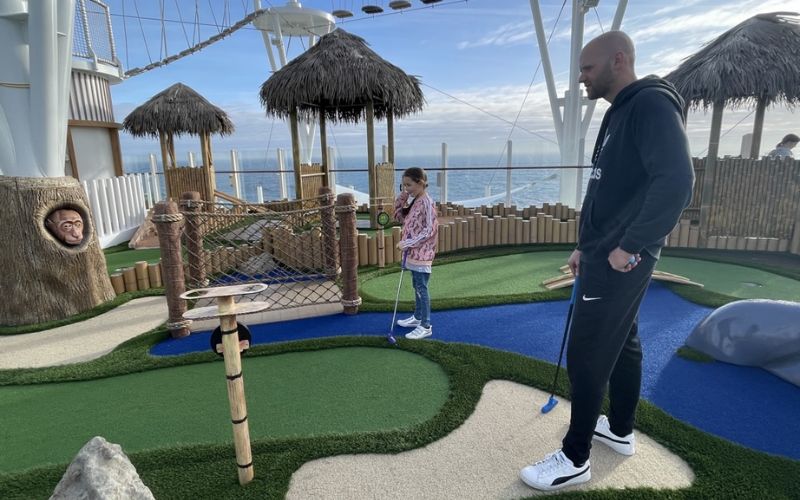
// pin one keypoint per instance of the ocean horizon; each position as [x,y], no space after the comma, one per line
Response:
[479,176]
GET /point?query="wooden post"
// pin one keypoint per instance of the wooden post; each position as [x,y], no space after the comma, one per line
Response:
[167,220]
[348,238]
[706,200]
[226,310]
[298,180]
[758,127]
[330,247]
[372,172]
[390,134]
[381,257]
[236,399]
[190,204]
[142,280]
[323,144]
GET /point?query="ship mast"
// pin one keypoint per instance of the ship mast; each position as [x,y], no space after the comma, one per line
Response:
[571,123]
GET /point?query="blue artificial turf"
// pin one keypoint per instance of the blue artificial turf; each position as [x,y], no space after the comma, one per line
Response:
[749,406]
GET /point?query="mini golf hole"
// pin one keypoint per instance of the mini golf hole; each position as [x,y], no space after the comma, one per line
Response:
[752,284]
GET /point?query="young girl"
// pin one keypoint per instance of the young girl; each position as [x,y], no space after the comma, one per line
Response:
[415,209]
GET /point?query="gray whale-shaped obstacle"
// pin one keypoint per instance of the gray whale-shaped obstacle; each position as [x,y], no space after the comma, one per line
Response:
[757,332]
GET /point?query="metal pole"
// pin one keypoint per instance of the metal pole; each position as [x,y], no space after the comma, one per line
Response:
[237,187]
[282,182]
[443,187]
[508,175]
[572,111]
[154,179]
[548,69]
[332,169]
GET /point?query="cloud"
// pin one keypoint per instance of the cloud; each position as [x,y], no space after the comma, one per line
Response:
[508,34]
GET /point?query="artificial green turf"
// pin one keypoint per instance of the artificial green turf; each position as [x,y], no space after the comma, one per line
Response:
[120,259]
[335,391]
[510,274]
[734,280]
[722,469]
[513,278]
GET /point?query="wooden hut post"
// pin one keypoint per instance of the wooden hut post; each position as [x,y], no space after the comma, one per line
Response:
[162,139]
[373,178]
[758,127]
[390,134]
[298,179]
[348,246]
[168,223]
[209,184]
[323,144]
[706,200]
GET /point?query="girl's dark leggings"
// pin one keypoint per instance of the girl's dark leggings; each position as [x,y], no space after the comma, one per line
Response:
[604,350]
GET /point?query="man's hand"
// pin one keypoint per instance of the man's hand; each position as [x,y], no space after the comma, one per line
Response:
[574,261]
[622,261]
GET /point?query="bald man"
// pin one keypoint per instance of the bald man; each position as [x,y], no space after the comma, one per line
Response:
[641,180]
[66,225]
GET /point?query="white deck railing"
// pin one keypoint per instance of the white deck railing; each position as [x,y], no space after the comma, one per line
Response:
[120,204]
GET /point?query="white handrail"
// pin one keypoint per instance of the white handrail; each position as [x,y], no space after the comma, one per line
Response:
[119,205]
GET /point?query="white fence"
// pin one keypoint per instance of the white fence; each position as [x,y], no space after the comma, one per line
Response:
[120,204]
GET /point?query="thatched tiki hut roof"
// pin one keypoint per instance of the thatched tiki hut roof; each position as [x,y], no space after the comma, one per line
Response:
[175,111]
[341,79]
[753,62]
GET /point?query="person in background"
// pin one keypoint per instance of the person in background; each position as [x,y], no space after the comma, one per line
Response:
[416,210]
[784,148]
[641,180]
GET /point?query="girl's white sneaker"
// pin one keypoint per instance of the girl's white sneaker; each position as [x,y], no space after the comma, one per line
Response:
[419,332]
[409,322]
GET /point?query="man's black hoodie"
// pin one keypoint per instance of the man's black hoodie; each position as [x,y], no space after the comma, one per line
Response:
[642,173]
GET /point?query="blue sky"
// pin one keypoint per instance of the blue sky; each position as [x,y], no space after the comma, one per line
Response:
[482,52]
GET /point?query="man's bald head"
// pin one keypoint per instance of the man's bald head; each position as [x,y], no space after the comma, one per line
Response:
[613,42]
[607,65]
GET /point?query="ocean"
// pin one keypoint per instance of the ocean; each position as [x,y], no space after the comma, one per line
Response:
[478,180]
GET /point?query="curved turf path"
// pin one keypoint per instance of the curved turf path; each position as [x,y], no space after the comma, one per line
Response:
[333,391]
[524,273]
[749,406]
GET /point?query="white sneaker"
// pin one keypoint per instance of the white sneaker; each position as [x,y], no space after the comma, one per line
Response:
[409,322]
[419,332]
[625,445]
[556,471]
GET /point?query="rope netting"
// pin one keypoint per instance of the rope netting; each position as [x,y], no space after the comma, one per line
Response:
[290,246]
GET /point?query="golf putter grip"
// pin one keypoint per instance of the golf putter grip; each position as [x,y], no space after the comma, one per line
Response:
[574,291]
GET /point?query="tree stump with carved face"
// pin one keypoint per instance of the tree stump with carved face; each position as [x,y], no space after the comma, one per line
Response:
[51,263]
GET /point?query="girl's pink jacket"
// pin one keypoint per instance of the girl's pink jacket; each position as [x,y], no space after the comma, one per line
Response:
[420,228]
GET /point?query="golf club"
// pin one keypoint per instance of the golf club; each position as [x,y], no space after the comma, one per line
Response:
[390,336]
[552,402]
